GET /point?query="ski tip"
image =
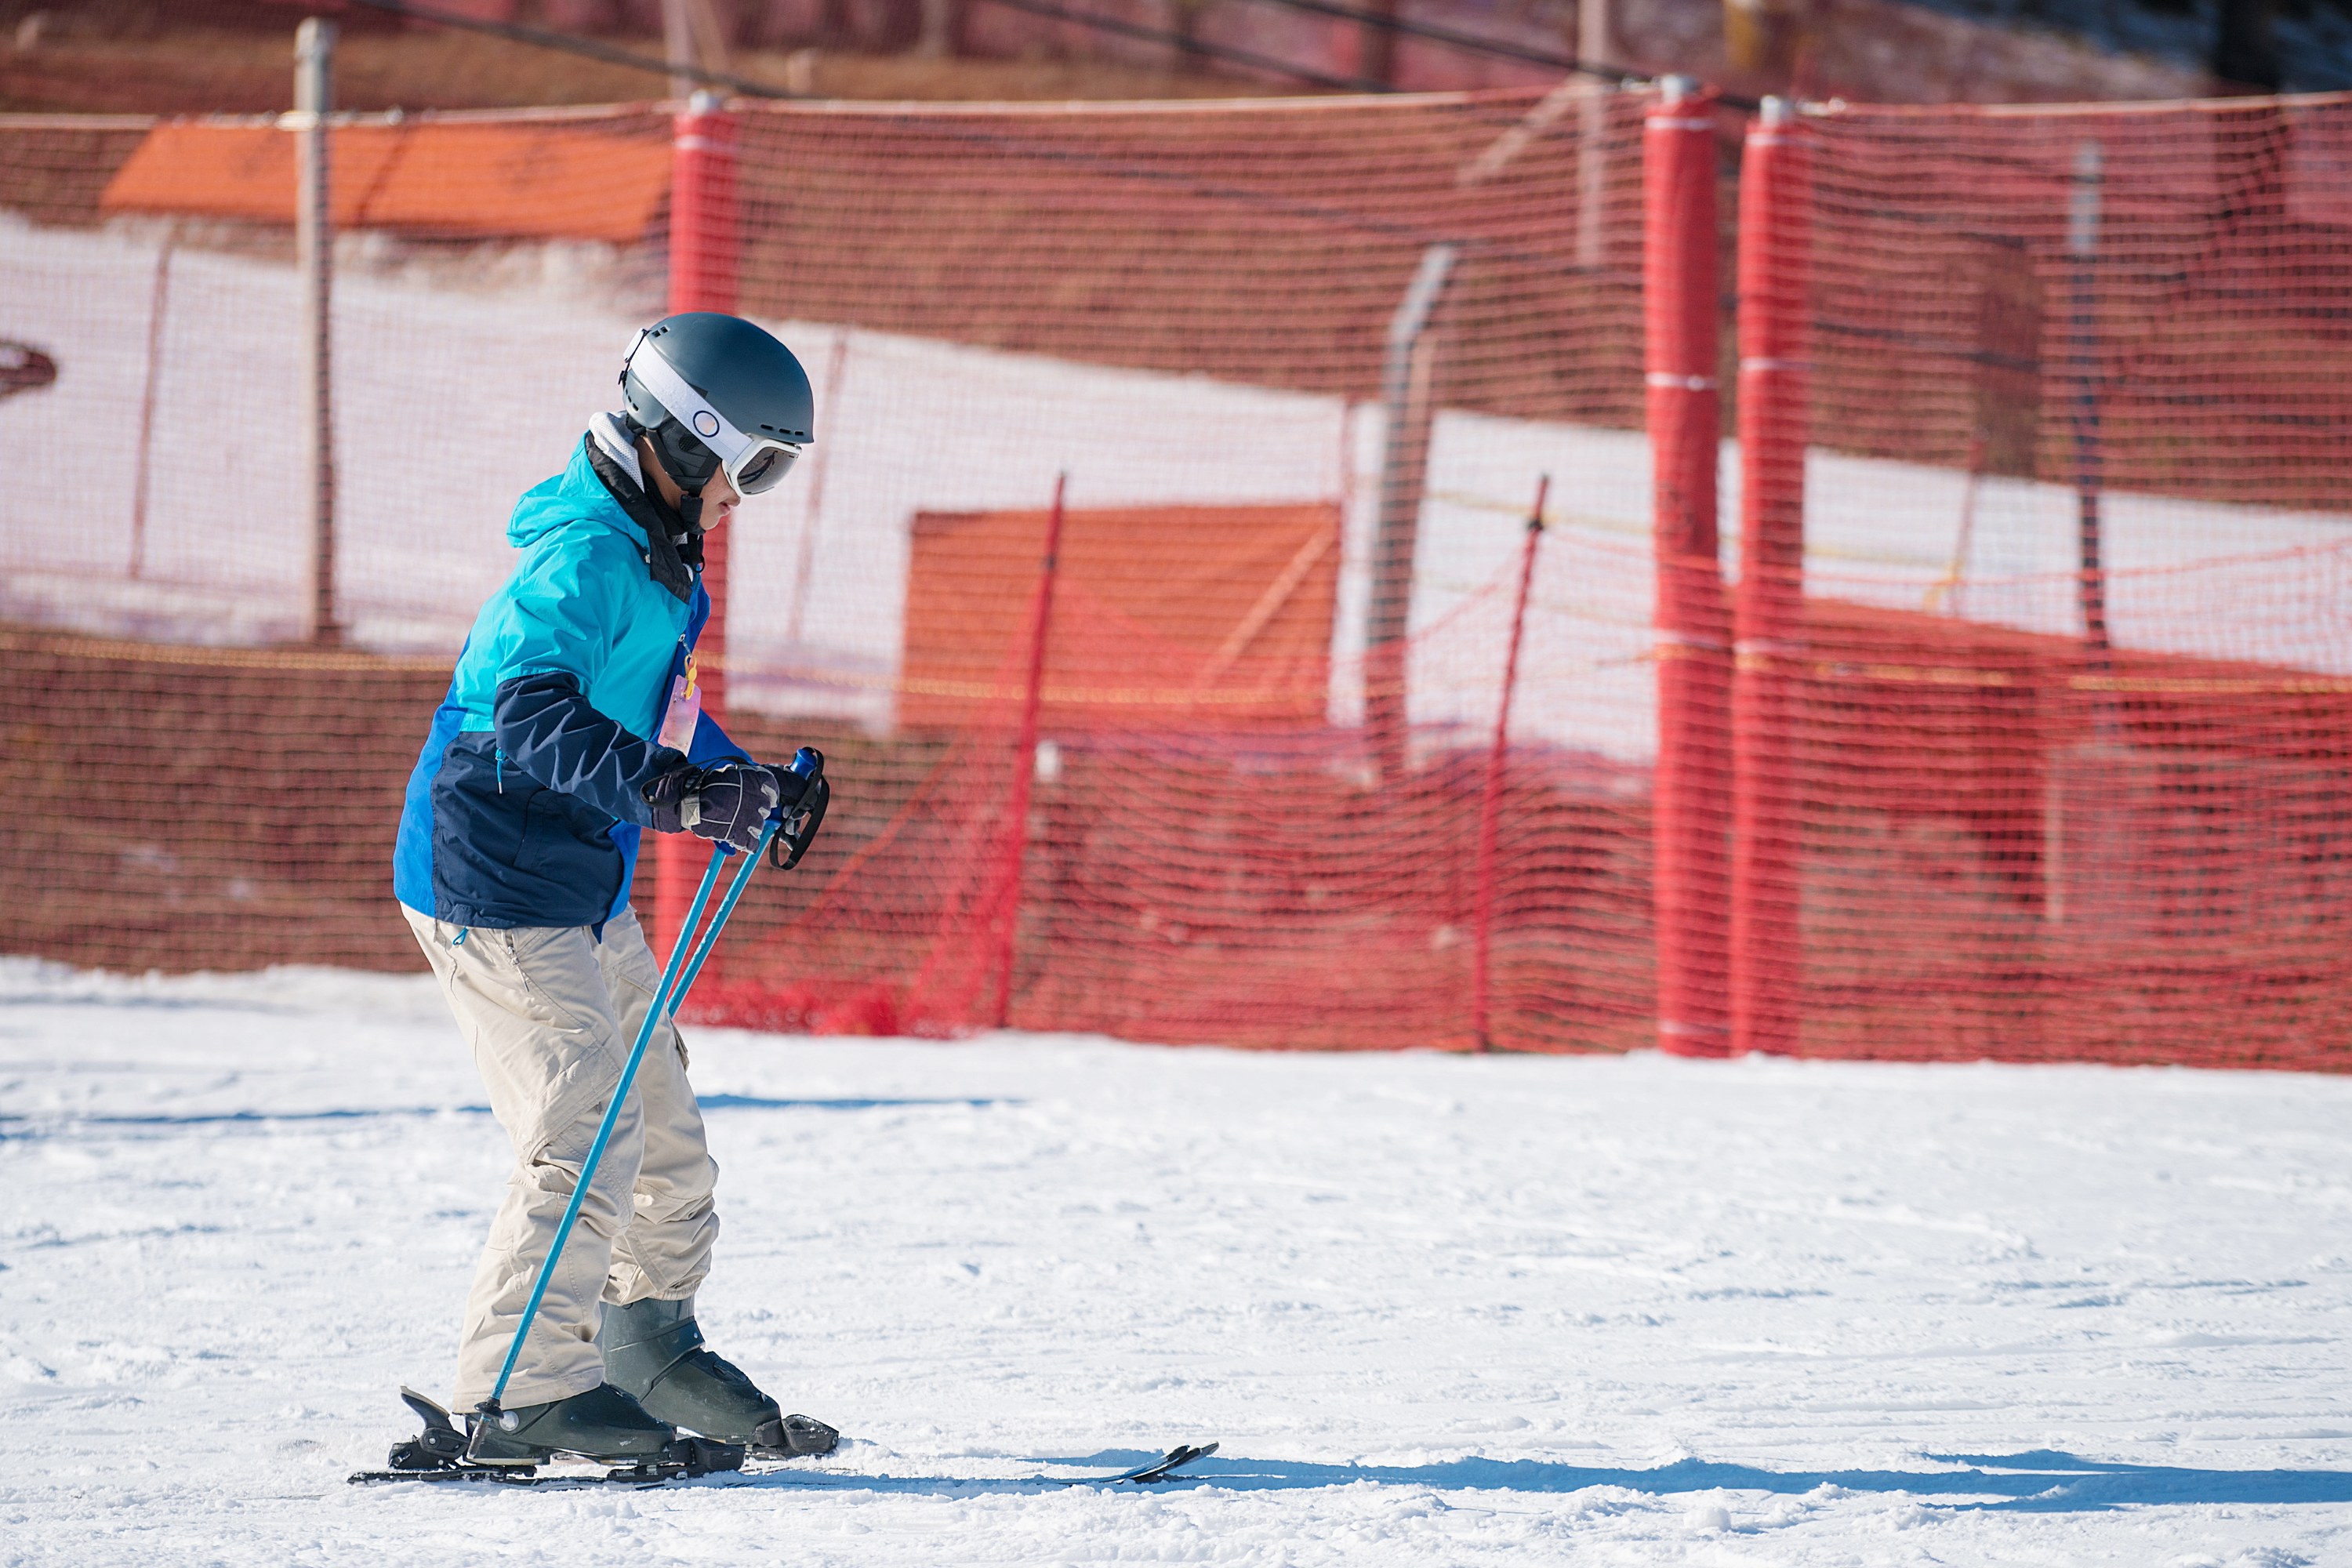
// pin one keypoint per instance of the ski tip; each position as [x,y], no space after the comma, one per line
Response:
[1167,1465]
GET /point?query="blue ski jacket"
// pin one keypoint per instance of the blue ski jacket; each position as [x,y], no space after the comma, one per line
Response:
[575,687]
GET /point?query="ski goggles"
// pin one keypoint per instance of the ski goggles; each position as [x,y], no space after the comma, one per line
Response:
[751,463]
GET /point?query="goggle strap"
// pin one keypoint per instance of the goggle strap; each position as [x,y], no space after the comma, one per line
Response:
[732,447]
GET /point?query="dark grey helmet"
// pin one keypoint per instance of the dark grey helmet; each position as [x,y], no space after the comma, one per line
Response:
[717,391]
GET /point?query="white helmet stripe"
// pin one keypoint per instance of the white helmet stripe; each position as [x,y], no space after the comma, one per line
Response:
[688,406]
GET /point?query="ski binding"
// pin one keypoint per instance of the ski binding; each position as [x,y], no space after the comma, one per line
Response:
[438,1454]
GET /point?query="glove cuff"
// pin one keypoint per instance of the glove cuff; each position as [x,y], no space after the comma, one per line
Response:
[671,797]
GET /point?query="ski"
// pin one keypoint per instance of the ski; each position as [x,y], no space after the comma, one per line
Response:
[1144,1474]
[462,1472]
[436,1456]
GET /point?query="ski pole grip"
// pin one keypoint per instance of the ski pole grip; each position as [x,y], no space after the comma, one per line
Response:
[800,819]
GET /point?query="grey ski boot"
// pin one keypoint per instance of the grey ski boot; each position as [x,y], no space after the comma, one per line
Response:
[653,1351]
[604,1422]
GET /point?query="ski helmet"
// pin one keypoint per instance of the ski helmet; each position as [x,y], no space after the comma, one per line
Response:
[716,393]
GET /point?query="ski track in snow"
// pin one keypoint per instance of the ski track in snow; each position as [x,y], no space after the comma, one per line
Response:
[1438,1309]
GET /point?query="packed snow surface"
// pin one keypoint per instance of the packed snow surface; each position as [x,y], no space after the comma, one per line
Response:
[1437,1309]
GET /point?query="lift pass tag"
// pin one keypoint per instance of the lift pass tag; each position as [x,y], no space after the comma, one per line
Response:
[685,710]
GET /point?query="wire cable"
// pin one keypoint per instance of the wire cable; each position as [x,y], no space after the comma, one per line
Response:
[1436,32]
[573,44]
[1194,45]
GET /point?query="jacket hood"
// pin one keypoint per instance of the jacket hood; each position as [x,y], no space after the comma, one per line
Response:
[574,497]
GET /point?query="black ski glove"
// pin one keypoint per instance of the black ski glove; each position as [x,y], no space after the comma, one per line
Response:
[730,802]
[801,793]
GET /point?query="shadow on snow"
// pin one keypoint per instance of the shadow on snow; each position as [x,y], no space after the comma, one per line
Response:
[21,1126]
[2040,1482]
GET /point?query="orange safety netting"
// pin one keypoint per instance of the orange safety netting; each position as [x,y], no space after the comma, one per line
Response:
[1219,616]
[430,178]
[2013,839]
[2075,698]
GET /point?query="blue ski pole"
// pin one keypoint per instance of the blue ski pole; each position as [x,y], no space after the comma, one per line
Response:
[667,998]
[805,762]
[711,936]
[654,1016]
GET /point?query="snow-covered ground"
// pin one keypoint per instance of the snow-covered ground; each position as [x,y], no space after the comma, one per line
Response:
[1438,1309]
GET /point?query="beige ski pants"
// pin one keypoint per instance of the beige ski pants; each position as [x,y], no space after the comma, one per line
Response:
[549,1013]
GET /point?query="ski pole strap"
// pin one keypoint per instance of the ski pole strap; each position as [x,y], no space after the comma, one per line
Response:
[800,823]
[654,1016]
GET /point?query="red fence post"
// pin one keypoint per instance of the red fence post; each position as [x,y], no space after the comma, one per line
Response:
[1690,798]
[1490,799]
[1769,616]
[1024,764]
[705,245]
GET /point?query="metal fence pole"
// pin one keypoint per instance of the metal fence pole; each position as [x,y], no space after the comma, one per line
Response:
[314,246]
[2083,249]
[1408,399]
[143,479]
[1596,46]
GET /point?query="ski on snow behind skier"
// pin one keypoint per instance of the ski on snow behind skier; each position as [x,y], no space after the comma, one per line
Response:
[438,1454]
[1159,1469]
[1144,1474]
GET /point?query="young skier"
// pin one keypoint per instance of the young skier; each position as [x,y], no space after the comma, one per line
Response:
[572,723]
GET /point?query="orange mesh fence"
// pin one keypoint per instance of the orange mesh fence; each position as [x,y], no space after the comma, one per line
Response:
[1186,309]
[1263,244]
[2074,690]
[1299,368]
[1190,312]
[1221,617]
[429,178]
